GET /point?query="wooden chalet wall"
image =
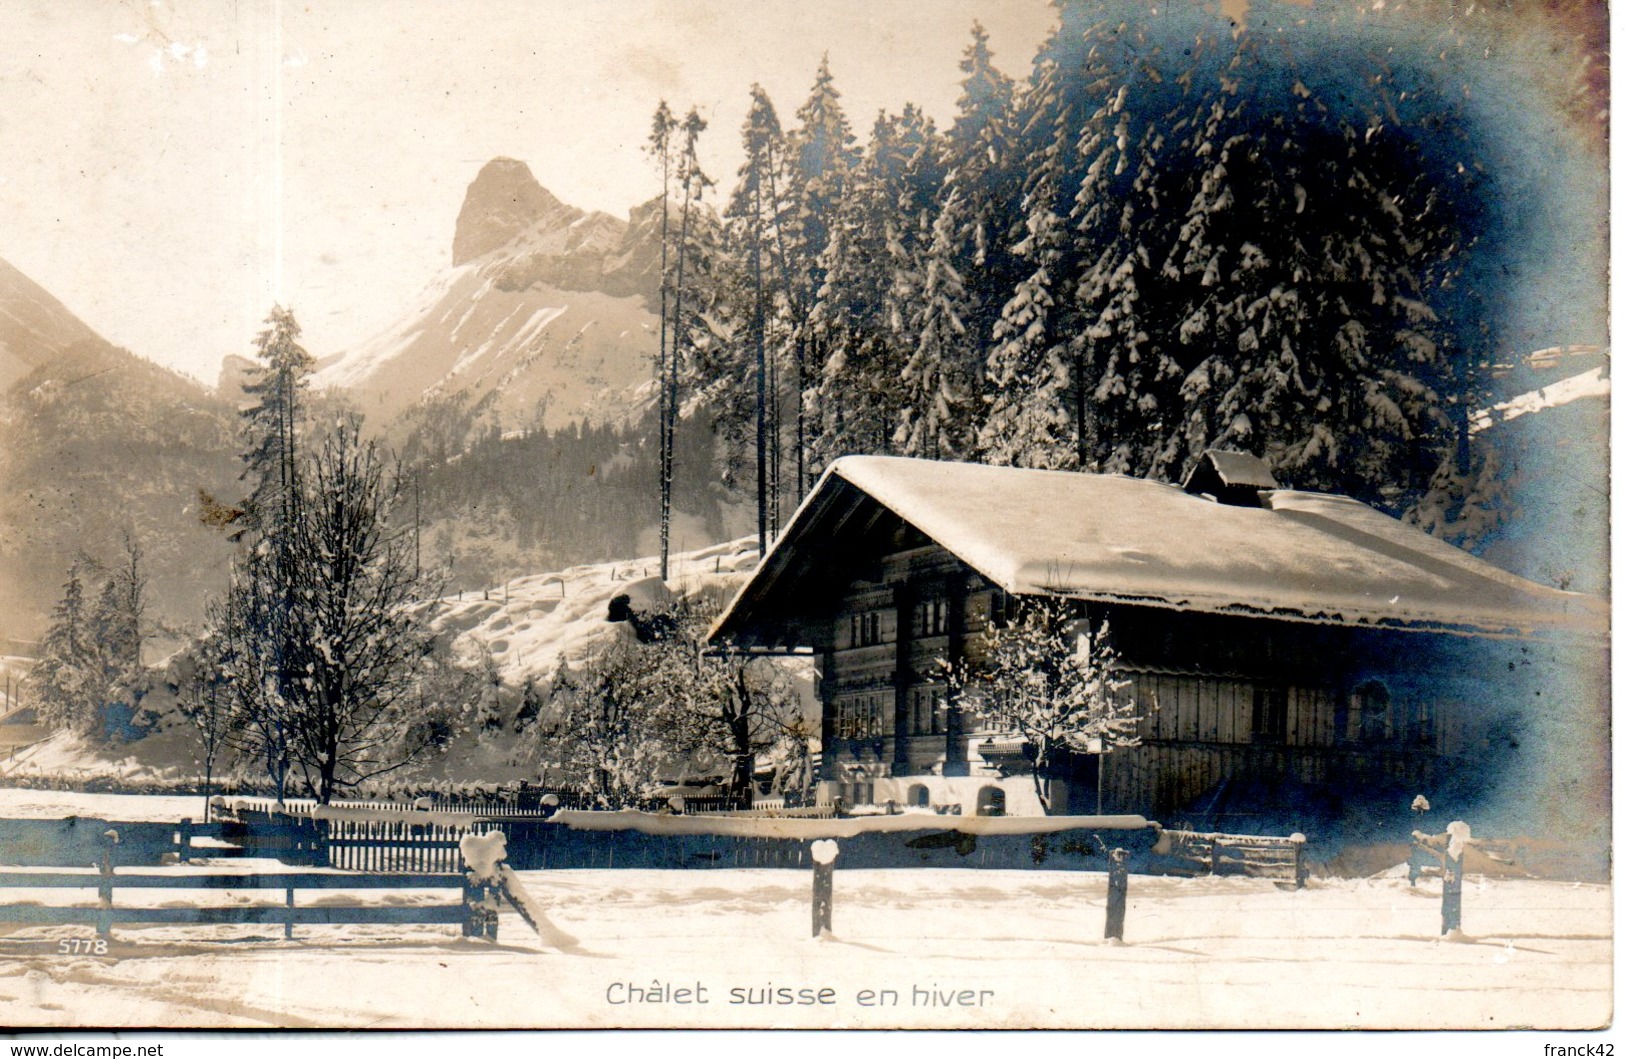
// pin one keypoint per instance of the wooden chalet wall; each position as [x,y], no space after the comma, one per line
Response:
[1229,699]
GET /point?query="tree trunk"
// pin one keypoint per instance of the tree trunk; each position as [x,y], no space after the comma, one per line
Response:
[759,326]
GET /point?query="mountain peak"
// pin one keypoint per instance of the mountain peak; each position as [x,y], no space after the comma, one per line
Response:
[503,201]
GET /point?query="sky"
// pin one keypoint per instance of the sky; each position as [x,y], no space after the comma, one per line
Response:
[170,169]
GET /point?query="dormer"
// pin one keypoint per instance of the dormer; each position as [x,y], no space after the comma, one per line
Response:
[1233,478]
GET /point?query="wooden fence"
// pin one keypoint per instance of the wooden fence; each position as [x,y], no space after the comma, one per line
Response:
[537,804]
[393,846]
[470,911]
[1211,853]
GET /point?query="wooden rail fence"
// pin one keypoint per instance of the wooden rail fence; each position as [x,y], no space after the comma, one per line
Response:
[470,911]
[1212,853]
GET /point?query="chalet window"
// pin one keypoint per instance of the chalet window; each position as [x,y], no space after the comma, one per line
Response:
[918,796]
[1421,723]
[931,617]
[928,710]
[859,717]
[1269,714]
[1372,705]
[864,629]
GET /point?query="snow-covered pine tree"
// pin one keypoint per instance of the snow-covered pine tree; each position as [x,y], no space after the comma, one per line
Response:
[260,605]
[1295,274]
[873,270]
[271,424]
[822,152]
[754,215]
[983,177]
[939,383]
[1125,381]
[694,182]
[1030,420]
[66,684]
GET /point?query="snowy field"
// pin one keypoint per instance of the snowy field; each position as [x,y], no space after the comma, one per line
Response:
[25,803]
[912,948]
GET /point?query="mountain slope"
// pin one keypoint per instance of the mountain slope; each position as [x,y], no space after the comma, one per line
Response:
[543,315]
[34,326]
[95,441]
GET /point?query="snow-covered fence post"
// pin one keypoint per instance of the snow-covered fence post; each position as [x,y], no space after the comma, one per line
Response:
[824,852]
[104,887]
[1454,853]
[183,842]
[484,855]
[1300,863]
[1419,807]
[1116,894]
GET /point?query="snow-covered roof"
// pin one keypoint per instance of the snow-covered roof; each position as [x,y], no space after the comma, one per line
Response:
[1301,556]
[1234,469]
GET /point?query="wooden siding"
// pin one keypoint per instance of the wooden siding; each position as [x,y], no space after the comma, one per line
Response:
[1224,699]
[1161,778]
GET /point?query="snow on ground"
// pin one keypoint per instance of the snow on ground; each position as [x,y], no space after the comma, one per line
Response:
[955,948]
[22,803]
[532,623]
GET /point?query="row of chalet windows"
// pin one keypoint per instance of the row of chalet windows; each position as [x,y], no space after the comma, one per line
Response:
[862,716]
[859,716]
[868,628]
[1372,716]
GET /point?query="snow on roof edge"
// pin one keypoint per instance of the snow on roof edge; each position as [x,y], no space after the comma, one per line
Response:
[1576,615]
[764,557]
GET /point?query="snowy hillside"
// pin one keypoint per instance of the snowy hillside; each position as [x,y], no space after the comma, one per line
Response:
[533,623]
[529,625]
[544,305]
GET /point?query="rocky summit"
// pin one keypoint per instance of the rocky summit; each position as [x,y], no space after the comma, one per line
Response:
[544,316]
[503,202]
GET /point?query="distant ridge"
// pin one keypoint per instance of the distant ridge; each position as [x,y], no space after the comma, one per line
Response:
[544,314]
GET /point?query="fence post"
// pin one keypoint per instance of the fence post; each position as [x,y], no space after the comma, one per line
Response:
[287,924]
[479,918]
[1451,919]
[1116,894]
[488,901]
[104,886]
[1214,870]
[824,852]
[1300,862]
[1455,852]
[185,850]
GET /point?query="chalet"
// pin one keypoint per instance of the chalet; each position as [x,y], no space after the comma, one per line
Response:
[1298,644]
